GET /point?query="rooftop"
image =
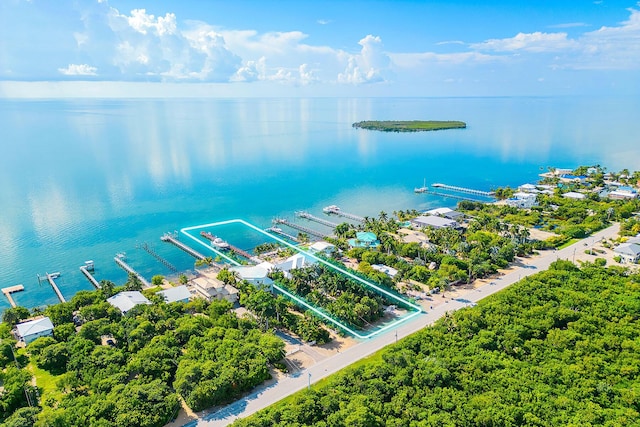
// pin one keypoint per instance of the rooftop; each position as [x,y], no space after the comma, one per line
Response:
[33,327]
[125,301]
[179,293]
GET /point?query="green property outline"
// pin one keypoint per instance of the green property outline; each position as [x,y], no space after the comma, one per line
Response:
[298,299]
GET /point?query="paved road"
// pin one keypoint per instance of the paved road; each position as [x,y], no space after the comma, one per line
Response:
[271,394]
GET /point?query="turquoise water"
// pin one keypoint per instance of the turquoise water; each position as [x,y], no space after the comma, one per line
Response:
[86,179]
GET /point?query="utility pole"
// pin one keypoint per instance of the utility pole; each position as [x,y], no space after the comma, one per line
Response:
[309,385]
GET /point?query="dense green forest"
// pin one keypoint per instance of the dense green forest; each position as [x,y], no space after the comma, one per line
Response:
[131,370]
[559,348]
[409,126]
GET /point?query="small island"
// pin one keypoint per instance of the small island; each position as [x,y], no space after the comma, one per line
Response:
[409,126]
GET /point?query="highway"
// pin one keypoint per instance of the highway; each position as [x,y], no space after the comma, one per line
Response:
[266,396]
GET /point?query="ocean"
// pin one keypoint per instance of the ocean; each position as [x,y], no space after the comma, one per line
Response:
[87,179]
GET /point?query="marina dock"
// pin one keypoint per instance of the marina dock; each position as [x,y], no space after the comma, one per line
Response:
[464,190]
[452,196]
[119,259]
[52,282]
[307,215]
[309,231]
[276,230]
[168,237]
[335,210]
[11,289]
[148,249]
[85,270]
[213,238]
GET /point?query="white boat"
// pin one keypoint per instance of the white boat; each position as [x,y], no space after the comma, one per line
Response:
[423,189]
[219,243]
[331,209]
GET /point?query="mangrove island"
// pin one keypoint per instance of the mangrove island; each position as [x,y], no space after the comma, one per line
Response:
[409,126]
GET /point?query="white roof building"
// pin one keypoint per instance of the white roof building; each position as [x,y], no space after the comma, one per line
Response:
[210,288]
[177,294]
[29,331]
[574,195]
[628,252]
[255,274]
[125,301]
[389,271]
[433,221]
[322,246]
[444,212]
[522,200]
[528,188]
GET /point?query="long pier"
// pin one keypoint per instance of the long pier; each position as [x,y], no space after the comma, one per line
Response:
[464,190]
[279,231]
[307,215]
[168,237]
[309,231]
[11,289]
[335,210]
[244,253]
[119,259]
[52,282]
[453,196]
[161,260]
[89,276]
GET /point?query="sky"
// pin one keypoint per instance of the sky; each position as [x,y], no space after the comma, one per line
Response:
[98,48]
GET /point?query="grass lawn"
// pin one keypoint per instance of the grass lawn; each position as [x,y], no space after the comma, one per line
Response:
[569,243]
[46,382]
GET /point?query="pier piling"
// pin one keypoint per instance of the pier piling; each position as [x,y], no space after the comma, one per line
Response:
[11,289]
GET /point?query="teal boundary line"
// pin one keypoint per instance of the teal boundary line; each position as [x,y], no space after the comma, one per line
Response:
[299,300]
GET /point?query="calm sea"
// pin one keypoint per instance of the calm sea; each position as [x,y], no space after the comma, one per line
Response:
[85,179]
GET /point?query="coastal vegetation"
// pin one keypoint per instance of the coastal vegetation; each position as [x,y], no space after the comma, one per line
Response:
[409,126]
[558,348]
[134,369]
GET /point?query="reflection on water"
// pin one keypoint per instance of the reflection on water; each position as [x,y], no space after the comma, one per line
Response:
[86,179]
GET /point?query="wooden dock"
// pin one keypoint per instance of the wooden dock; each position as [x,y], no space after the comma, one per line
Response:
[335,210]
[171,238]
[89,276]
[309,231]
[310,217]
[148,249]
[464,190]
[276,230]
[119,259]
[52,282]
[11,289]
[452,196]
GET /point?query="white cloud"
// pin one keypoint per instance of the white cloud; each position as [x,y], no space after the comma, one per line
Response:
[78,70]
[370,66]
[529,42]
[142,22]
[569,25]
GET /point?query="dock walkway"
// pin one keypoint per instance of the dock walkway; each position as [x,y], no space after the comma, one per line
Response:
[119,259]
[310,217]
[279,231]
[464,190]
[52,282]
[168,237]
[11,289]
[89,276]
[452,196]
[309,231]
[335,210]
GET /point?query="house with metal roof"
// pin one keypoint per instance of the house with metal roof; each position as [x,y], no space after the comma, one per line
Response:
[444,212]
[364,239]
[125,301]
[628,252]
[176,294]
[426,221]
[36,328]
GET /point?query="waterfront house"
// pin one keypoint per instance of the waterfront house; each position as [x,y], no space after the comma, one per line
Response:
[528,188]
[522,200]
[623,193]
[444,212]
[574,195]
[389,271]
[628,252]
[255,274]
[211,288]
[32,329]
[434,222]
[176,294]
[364,239]
[125,301]
[322,247]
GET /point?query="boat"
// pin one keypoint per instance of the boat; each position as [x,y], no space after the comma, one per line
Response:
[331,209]
[423,189]
[216,241]
[219,243]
